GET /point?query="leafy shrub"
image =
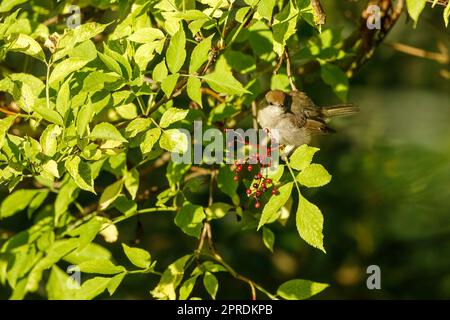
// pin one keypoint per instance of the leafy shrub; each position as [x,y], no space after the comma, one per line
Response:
[87,126]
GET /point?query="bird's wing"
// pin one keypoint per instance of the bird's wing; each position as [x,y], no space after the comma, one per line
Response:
[303,105]
[318,126]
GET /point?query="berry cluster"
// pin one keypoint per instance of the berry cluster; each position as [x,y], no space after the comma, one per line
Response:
[260,185]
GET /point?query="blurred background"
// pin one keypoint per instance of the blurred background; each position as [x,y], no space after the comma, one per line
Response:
[389,200]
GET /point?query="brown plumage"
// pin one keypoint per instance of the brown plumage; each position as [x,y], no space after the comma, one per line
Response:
[297,117]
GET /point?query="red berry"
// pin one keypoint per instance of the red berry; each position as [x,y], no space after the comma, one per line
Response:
[248,191]
[258,193]
[268,181]
[235,178]
[263,185]
[274,191]
[259,175]
[239,168]
[250,168]
[264,189]
[257,205]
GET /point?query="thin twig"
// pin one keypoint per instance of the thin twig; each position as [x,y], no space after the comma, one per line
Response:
[288,69]
[254,115]
[421,53]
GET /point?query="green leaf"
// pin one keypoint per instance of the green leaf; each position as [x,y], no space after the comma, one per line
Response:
[48,114]
[26,44]
[150,138]
[217,210]
[131,180]
[106,131]
[265,8]
[63,99]
[309,221]
[115,282]
[336,78]
[160,72]
[186,287]
[139,257]
[194,90]
[299,289]
[284,26]
[174,140]
[5,124]
[92,288]
[190,219]
[415,8]
[176,52]
[146,35]
[172,115]
[272,208]
[136,126]
[110,194]
[57,285]
[51,167]
[302,157]
[200,54]
[110,63]
[169,83]
[84,117]
[447,14]
[100,267]
[170,280]
[66,195]
[7,5]
[81,173]
[48,139]
[268,238]
[66,67]
[211,284]
[314,175]
[224,82]
[17,202]
[87,232]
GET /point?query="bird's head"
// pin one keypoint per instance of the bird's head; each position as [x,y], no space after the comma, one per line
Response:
[276,98]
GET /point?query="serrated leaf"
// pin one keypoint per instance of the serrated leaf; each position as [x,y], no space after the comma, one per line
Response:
[16,202]
[194,90]
[272,208]
[48,139]
[84,116]
[176,52]
[146,35]
[299,289]
[131,180]
[170,280]
[211,284]
[415,8]
[309,221]
[200,54]
[174,140]
[139,257]
[217,210]
[26,44]
[160,72]
[66,67]
[100,267]
[172,115]
[110,194]
[106,131]
[5,124]
[302,157]
[224,82]
[268,238]
[314,175]
[81,173]
[150,138]
[190,219]
[169,83]
[115,282]
[48,114]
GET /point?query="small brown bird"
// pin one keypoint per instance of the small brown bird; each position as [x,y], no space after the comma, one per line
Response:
[297,118]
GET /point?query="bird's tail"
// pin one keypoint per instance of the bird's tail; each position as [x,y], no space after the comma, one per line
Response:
[340,110]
